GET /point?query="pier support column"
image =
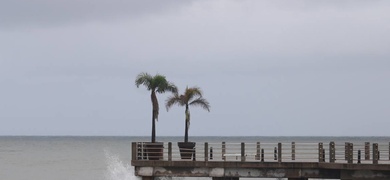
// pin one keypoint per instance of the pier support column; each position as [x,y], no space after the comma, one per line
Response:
[367,151]
[332,152]
[350,153]
[280,152]
[375,153]
[243,157]
[257,157]
[293,151]
[321,157]
[226,178]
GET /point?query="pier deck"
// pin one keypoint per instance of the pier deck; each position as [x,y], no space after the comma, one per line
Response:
[295,161]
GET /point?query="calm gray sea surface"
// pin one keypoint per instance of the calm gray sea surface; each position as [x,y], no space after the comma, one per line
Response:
[101,158]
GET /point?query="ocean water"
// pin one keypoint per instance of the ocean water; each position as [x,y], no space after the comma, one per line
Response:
[102,158]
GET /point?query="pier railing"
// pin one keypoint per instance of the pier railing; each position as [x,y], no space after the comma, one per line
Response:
[352,153]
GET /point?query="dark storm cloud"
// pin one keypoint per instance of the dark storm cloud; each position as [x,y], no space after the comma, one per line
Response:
[33,13]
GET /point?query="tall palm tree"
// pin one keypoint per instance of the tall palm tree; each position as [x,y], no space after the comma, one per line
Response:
[155,84]
[191,97]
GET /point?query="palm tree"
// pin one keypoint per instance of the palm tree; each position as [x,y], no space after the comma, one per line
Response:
[191,97]
[155,84]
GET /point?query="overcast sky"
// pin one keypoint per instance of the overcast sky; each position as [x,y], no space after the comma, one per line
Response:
[268,68]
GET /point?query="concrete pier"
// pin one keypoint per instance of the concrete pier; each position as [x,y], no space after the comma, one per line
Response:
[297,162]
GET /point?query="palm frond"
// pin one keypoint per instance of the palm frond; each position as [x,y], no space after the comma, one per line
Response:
[203,103]
[144,79]
[172,88]
[192,93]
[161,84]
[172,100]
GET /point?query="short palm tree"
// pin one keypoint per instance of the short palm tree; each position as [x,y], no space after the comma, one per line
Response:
[155,84]
[191,97]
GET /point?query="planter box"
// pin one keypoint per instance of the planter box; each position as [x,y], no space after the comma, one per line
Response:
[155,151]
[187,150]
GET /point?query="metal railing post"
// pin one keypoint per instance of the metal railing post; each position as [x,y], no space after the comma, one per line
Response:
[242,151]
[257,157]
[211,153]
[323,155]
[194,154]
[169,151]
[359,156]
[346,150]
[206,151]
[223,151]
[276,153]
[262,155]
[279,152]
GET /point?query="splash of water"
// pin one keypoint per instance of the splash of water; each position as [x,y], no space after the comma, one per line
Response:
[117,170]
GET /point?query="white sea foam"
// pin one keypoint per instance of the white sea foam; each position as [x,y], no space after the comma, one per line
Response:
[117,170]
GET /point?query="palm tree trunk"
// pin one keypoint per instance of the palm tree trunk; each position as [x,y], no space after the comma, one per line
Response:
[186,125]
[186,133]
[154,115]
[153,128]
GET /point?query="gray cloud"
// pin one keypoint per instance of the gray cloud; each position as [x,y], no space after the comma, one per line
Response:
[37,13]
[67,67]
